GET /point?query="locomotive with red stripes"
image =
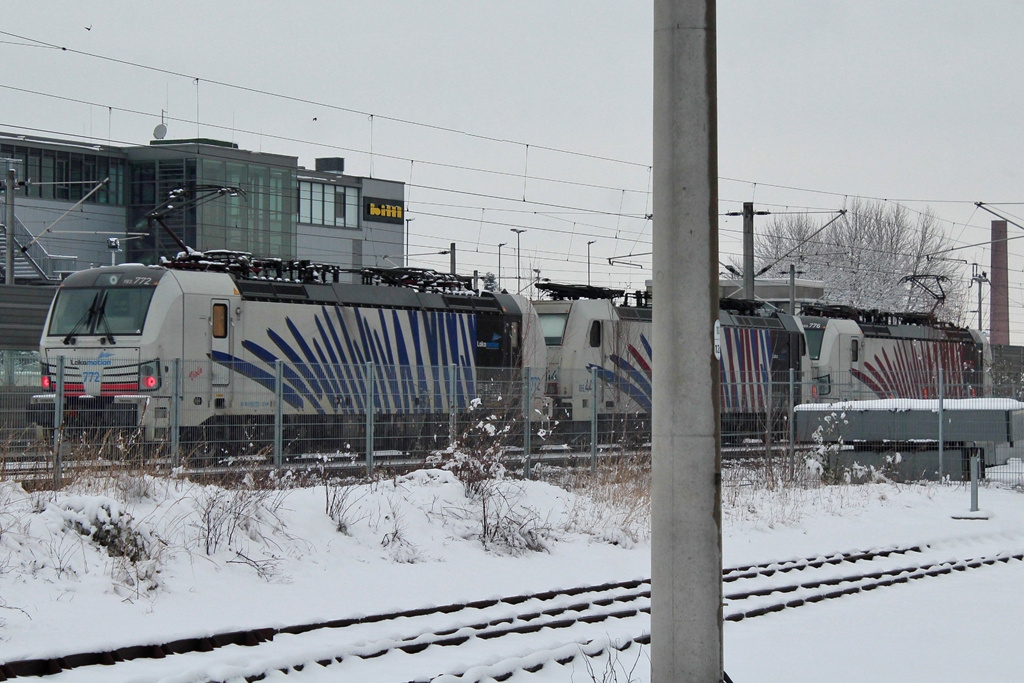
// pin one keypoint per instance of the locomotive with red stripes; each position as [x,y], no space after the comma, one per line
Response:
[600,358]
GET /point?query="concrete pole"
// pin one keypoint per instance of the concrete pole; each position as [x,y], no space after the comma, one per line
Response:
[686,557]
[451,251]
[9,199]
[748,250]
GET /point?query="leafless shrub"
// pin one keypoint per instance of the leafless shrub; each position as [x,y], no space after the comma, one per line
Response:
[340,501]
[506,524]
[266,568]
[225,516]
[396,541]
[477,459]
[612,669]
[61,555]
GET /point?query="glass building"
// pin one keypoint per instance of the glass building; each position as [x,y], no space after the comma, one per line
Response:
[260,219]
[281,209]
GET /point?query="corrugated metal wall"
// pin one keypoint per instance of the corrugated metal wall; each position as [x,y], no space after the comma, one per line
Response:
[22,314]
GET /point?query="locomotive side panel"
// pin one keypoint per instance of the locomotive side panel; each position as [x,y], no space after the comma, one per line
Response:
[326,352]
[860,361]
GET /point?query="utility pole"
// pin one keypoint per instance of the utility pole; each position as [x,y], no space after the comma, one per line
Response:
[500,245]
[452,252]
[748,214]
[792,289]
[405,257]
[9,199]
[686,479]
[748,250]
[519,264]
[979,279]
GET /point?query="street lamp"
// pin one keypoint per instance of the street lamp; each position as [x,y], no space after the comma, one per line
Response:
[406,259]
[499,264]
[519,266]
[588,261]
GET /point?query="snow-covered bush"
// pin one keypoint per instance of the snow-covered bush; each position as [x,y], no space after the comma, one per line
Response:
[107,524]
[478,460]
[823,459]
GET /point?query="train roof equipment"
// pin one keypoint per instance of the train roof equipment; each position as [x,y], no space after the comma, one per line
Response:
[874,316]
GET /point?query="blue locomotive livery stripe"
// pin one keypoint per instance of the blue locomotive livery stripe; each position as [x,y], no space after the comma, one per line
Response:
[326,356]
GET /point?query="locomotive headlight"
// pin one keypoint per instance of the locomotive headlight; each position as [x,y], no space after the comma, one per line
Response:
[149,376]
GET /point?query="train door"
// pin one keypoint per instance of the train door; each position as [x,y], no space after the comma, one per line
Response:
[851,355]
[220,339]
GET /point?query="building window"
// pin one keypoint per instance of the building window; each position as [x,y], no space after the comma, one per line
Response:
[334,205]
[62,175]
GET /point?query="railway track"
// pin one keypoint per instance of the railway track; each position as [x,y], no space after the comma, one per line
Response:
[764,589]
[502,636]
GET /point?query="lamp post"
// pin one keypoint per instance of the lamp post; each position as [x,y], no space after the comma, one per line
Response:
[499,264]
[588,261]
[519,266]
[405,259]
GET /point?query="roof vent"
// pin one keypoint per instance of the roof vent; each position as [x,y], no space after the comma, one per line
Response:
[330,165]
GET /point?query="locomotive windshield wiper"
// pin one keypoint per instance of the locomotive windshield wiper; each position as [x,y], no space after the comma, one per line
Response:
[101,311]
[85,320]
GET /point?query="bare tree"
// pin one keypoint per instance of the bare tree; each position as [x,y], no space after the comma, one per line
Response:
[874,256]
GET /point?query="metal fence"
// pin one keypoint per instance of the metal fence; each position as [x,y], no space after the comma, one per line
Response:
[201,414]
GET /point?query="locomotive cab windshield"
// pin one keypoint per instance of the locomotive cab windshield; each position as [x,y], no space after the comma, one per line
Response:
[553,326]
[96,311]
[108,304]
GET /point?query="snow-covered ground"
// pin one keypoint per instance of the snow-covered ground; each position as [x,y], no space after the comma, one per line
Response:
[204,560]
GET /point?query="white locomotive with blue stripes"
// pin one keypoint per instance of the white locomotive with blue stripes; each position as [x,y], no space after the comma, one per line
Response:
[254,334]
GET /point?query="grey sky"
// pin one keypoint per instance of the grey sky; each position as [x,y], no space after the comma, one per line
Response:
[911,100]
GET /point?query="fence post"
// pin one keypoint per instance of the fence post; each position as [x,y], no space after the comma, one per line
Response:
[792,424]
[278,413]
[527,406]
[593,419]
[58,423]
[176,407]
[975,475]
[369,403]
[942,440]
[451,406]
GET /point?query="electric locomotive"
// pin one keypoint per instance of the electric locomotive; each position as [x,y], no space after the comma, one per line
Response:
[857,354]
[600,358]
[236,340]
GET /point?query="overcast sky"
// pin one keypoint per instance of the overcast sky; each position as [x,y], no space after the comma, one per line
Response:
[537,114]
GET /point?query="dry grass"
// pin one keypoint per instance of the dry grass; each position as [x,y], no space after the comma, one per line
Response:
[614,501]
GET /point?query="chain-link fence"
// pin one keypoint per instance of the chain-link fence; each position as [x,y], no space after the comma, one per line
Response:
[201,414]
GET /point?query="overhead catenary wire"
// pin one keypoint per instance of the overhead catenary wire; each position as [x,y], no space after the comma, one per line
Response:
[269,93]
[620,216]
[505,198]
